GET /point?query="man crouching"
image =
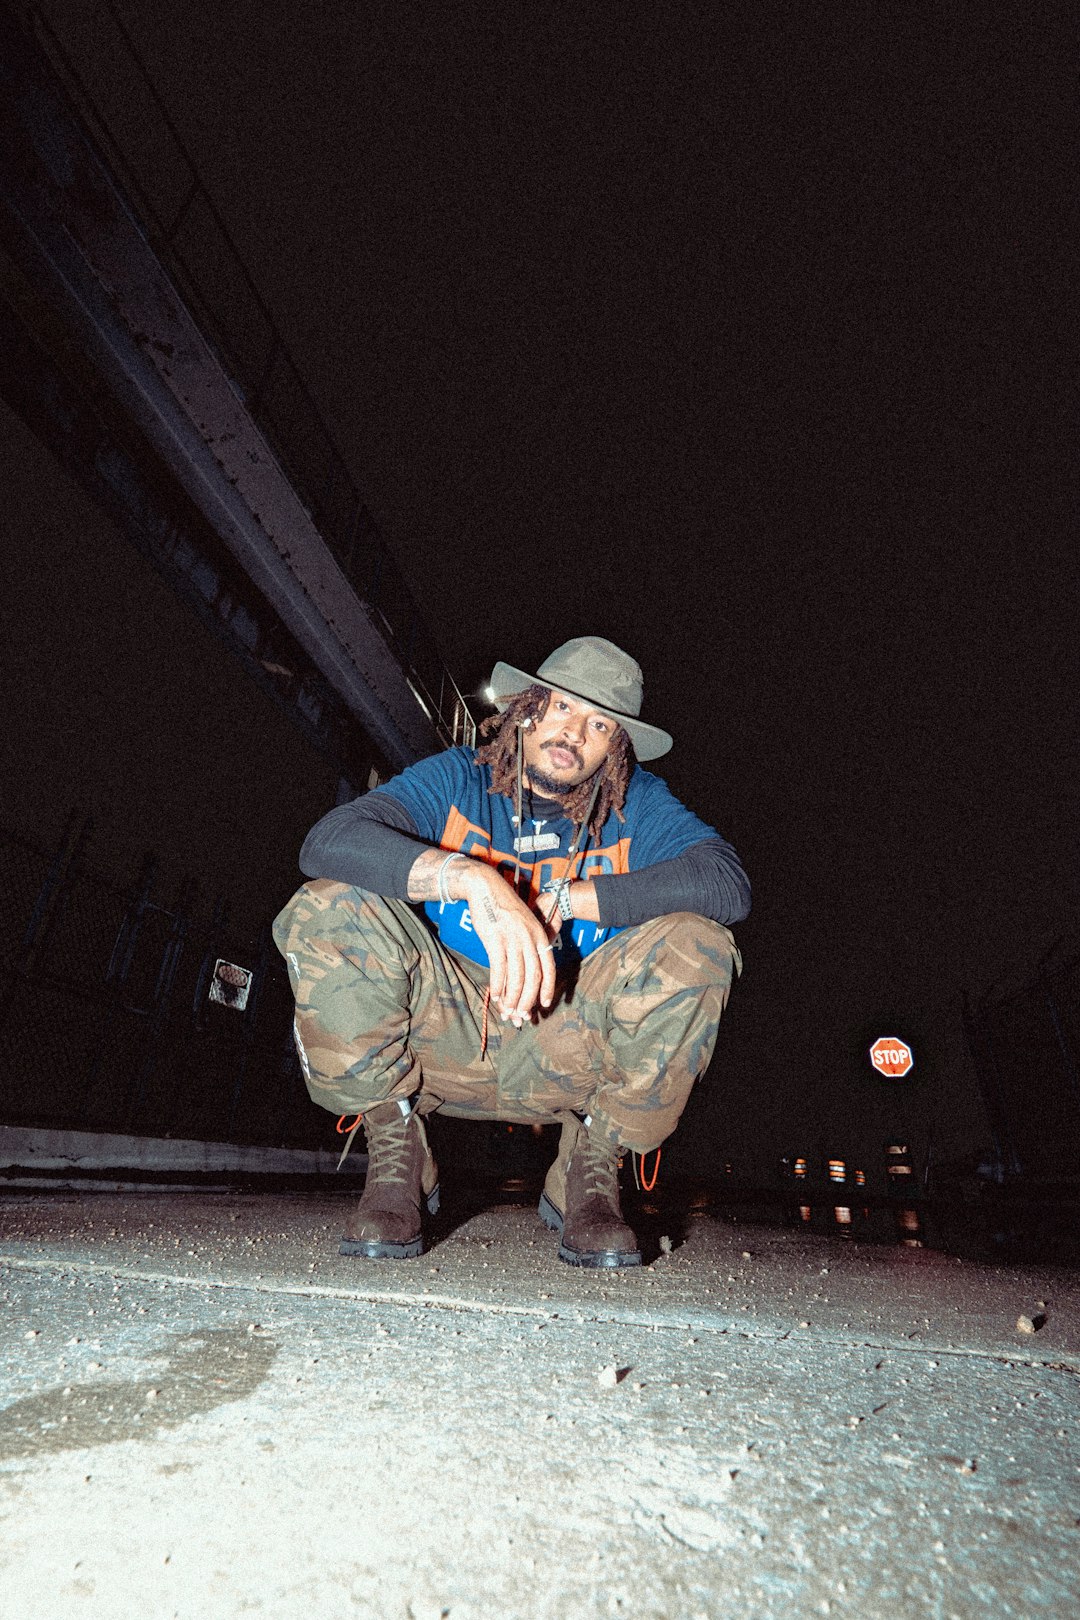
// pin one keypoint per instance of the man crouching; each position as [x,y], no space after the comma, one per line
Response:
[534,931]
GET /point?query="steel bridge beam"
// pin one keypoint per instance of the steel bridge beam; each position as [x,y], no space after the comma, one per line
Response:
[67,225]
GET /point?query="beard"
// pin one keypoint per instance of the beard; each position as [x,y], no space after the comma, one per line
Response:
[550,786]
[547,785]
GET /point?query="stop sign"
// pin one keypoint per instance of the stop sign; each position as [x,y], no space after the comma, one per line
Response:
[891,1057]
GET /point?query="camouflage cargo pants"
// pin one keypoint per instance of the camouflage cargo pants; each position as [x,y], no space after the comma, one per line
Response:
[384,1010]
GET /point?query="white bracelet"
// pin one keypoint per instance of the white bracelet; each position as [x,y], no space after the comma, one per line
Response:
[444,893]
[560,888]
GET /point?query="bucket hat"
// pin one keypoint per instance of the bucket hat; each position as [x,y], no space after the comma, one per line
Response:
[592,671]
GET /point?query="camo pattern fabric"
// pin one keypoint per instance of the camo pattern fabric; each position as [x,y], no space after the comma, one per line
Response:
[384,1010]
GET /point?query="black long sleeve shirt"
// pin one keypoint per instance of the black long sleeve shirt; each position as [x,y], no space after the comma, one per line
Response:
[372,843]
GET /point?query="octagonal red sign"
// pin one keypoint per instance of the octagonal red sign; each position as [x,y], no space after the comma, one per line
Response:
[892,1057]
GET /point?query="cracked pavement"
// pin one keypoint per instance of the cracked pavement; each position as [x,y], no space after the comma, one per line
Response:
[208,1412]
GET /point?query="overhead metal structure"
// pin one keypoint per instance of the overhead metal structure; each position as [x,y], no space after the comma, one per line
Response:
[169,356]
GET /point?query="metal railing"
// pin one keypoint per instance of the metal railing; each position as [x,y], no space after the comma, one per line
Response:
[137,137]
[109,1016]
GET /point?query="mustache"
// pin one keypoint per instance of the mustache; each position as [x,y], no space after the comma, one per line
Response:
[565,748]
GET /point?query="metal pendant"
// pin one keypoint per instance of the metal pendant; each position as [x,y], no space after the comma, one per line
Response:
[532,843]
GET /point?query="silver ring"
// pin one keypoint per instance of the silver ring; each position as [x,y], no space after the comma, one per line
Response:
[547,947]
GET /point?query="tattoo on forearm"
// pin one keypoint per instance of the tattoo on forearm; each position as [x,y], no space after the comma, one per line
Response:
[424,875]
[424,880]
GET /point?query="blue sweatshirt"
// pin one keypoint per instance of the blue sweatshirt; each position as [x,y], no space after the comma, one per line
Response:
[679,862]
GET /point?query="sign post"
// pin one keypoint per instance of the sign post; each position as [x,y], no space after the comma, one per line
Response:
[894,1060]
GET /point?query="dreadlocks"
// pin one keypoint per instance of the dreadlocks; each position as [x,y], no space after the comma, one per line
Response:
[500,752]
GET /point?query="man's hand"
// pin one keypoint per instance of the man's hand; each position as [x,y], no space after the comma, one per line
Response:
[520,950]
[519,947]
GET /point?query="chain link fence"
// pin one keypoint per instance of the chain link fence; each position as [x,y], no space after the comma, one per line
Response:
[121,1013]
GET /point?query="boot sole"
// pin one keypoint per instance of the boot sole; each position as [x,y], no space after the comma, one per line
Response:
[374,1249]
[371,1249]
[595,1259]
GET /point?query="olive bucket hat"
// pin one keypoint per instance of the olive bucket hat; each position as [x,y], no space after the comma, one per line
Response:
[592,671]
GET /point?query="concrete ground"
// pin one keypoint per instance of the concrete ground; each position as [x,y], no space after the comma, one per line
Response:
[209,1412]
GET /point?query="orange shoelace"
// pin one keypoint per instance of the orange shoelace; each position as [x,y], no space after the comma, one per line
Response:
[647,1186]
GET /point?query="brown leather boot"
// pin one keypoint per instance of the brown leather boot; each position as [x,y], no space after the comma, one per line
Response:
[386,1223]
[552,1206]
[593,1230]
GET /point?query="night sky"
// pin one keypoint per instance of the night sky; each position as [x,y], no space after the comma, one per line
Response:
[729,333]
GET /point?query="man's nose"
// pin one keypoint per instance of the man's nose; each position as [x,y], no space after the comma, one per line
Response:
[574,726]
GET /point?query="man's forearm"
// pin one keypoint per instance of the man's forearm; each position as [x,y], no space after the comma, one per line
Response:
[583,901]
[370,843]
[707,879]
[424,875]
[439,874]
[520,953]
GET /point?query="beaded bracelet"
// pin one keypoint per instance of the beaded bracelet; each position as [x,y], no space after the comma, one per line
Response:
[444,893]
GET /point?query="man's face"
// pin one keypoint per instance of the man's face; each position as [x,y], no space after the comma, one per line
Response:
[567,746]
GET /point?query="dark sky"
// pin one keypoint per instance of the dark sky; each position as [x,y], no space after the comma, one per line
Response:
[729,333]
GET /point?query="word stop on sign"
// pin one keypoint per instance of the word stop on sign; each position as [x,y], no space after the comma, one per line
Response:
[892,1057]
